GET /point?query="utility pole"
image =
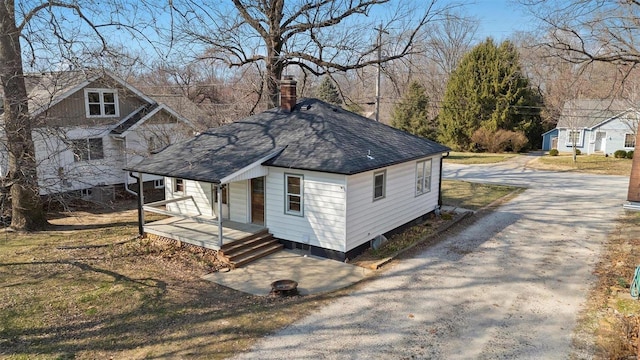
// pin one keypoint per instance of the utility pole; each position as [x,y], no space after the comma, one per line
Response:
[379,46]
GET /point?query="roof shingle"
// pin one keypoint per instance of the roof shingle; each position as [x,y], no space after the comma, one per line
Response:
[315,136]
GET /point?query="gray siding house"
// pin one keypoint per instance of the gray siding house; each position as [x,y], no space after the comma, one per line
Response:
[597,126]
[318,177]
[89,125]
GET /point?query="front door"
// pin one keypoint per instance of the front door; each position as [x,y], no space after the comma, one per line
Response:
[600,137]
[257,200]
[225,201]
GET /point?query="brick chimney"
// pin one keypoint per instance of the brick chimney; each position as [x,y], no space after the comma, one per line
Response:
[288,97]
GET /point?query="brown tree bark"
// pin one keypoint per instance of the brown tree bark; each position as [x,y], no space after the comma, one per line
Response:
[27,210]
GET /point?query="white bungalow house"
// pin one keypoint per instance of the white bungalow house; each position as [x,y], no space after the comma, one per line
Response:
[596,127]
[88,126]
[316,176]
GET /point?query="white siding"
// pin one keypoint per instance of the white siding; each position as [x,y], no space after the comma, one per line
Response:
[239,201]
[323,220]
[366,218]
[59,172]
[199,191]
[615,130]
[137,144]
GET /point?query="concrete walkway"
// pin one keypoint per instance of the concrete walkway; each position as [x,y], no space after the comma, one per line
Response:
[508,286]
[313,274]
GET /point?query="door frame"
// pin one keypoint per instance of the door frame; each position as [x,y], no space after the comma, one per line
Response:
[264,198]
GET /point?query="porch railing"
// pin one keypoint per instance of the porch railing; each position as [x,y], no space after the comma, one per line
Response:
[154,208]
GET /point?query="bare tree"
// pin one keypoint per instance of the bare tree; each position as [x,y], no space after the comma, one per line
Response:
[318,36]
[591,30]
[55,34]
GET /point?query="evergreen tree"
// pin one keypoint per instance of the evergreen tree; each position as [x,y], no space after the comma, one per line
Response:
[327,92]
[488,90]
[411,113]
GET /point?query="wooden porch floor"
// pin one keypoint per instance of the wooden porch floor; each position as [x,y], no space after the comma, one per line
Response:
[201,234]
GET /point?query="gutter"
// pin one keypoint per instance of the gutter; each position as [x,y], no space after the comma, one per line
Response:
[126,176]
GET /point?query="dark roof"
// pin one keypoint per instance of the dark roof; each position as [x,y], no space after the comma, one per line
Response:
[135,117]
[314,136]
[587,113]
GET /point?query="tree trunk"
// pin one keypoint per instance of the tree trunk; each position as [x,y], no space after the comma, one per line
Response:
[274,70]
[27,210]
[633,193]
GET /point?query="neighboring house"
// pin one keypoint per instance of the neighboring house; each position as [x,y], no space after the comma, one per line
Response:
[89,125]
[550,140]
[597,126]
[318,177]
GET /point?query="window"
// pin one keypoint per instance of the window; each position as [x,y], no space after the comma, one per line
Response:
[423,177]
[158,183]
[87,149]
[178,186]
[379,180]
[224,194]
[574,137]
[85,193]
[630,140]
[155,143]
[101,102]
[294,191]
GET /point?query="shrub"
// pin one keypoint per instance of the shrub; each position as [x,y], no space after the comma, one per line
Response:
[578,152]
[553,152]
[620,154]
[630,154]
[499,141]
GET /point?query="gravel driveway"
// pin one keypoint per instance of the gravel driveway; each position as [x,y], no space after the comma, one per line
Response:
[508,286]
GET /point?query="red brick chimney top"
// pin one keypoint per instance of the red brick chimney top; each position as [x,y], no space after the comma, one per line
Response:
[288,97]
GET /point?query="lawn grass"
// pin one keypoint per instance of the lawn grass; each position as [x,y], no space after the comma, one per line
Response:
[611,317]
[468,158]
[596,164]
[129,300]
[474,196]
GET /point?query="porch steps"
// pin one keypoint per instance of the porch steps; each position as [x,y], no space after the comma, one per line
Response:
[251,248]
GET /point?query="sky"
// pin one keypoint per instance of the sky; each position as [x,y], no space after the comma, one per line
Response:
[498,18]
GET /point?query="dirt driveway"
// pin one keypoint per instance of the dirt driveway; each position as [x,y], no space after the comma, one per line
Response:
[508,286]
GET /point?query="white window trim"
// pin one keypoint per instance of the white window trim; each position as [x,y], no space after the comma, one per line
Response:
[384,184]
[174,186]
[102,112]
[287,209]
[426,180]
[568,141]
[87,146]
[625,140]
[158,183]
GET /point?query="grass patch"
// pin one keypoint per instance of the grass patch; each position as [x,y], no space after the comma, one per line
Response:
[476,158]
[611,316]
[596,164]
[131,300]
[474,196]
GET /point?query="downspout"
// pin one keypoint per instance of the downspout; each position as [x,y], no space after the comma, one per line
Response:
[219,191]
[126,176]
[140,202]
[440,183]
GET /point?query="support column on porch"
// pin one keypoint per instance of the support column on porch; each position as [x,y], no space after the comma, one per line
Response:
[219,191]
[140,202]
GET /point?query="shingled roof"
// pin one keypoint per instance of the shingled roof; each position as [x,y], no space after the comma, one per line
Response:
[314,136]
[587,113]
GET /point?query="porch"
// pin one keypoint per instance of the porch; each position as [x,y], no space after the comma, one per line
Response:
[204,234]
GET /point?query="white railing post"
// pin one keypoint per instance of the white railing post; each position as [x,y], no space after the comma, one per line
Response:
[220,215]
